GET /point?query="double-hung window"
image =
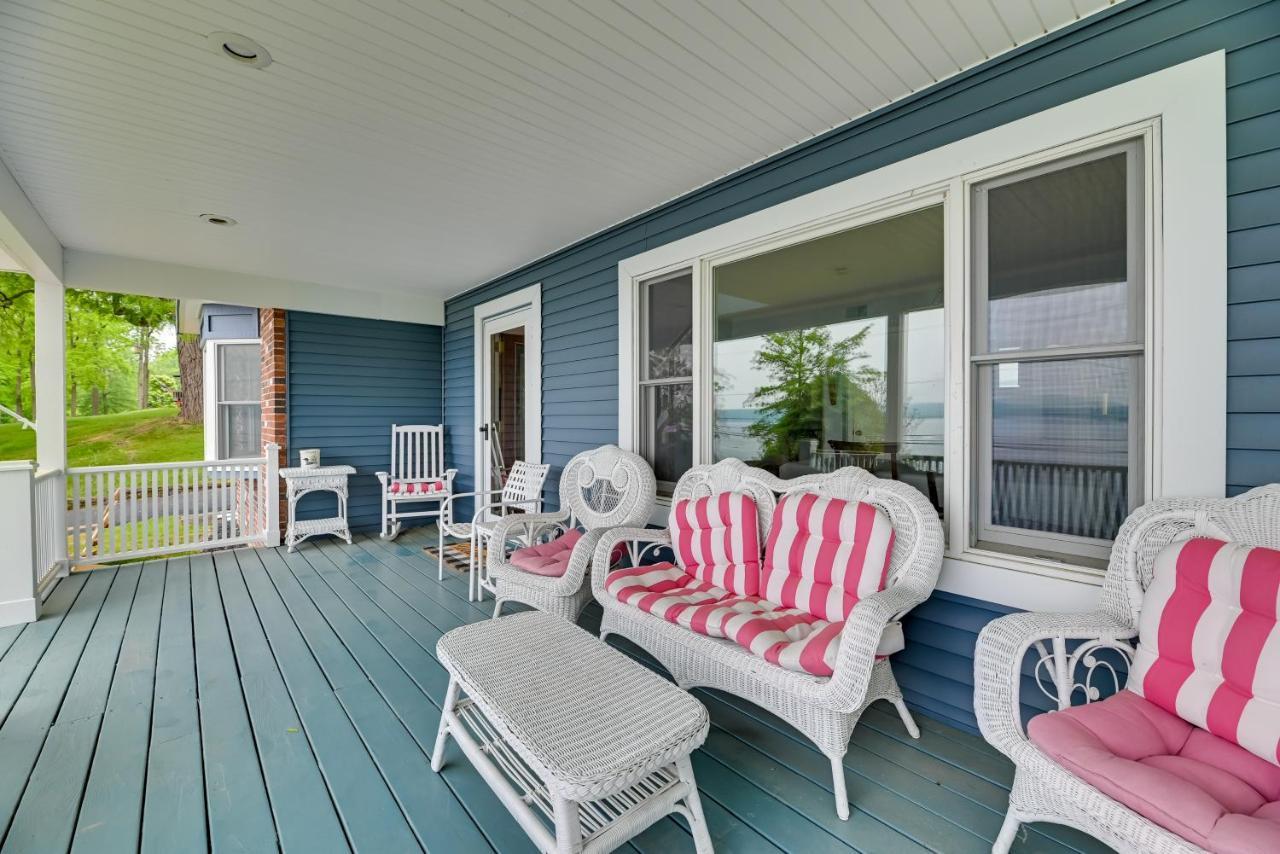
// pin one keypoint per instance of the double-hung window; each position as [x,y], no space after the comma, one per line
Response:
[666,376]
[1058,354]
[233,405]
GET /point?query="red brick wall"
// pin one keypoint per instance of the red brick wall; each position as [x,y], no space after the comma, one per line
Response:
[275,415]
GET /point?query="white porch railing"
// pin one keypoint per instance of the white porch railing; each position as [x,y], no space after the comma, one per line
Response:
[49,538]
[135,511]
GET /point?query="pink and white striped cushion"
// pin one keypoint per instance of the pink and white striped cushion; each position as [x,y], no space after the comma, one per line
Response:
[825,554]
[415,487]
[1208,643]
[788,637]
[716,539]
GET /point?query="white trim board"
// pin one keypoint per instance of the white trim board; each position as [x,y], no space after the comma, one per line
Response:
[117,274]
[1182,111]
[528,301]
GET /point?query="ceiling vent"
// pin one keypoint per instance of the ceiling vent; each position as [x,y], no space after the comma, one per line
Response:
[240,49]
[218,219]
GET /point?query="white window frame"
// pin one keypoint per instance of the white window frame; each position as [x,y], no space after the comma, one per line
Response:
[211,379]
[1180,114]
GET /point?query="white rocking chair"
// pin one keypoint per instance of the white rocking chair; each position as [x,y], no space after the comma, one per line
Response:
[417,475]
[522,491]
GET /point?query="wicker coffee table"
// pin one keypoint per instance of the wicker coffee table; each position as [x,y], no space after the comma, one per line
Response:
[584,746]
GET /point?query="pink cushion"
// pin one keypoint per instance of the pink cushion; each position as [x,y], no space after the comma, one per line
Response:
[1208,642]
[716,538]
[1185,779]
[415,487]
[788,637]
[550,558]
[825,554]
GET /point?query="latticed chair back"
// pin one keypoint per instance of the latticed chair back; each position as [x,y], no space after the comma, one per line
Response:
[1252,519]
[523,488]
[607,487]
[417,452]
[916,528]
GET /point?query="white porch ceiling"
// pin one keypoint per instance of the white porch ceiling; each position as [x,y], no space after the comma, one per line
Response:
[424,147]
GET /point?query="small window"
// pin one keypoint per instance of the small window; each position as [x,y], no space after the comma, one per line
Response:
[666,376]
[238,401]
[1058,355]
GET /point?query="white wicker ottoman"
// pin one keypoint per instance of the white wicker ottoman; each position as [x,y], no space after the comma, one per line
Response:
[584,746]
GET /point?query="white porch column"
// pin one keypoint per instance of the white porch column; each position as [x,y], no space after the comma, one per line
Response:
[18,602]
[51,394]
[51,376]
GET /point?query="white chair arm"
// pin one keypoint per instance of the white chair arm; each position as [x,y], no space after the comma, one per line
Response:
[859,640]
[519,526]
[611,539]
[383,478]
[1002,647]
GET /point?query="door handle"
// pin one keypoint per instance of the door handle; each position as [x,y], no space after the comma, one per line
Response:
[484,430]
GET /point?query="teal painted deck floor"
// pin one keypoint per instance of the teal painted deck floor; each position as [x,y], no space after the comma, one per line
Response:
[256,701]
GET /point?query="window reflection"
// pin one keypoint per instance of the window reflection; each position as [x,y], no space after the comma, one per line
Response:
[830,353]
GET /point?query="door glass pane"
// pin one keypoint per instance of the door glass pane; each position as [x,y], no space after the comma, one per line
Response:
[829,353]
[240,429]
[669,327]
[239,372]
[1058,271]
[1062,444]
[667,421]
[507,390]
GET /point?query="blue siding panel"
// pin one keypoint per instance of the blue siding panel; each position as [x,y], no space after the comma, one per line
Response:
[579,283]
[349,381]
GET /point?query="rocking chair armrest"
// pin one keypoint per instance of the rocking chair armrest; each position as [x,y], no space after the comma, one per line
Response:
[601,559]
[1002,647]
[383,477]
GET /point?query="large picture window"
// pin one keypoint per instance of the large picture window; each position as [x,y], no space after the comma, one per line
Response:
[829,353]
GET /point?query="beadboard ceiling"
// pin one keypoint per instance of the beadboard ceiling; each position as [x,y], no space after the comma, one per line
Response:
[427,146]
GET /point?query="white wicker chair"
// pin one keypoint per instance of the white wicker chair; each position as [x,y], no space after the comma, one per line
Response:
[522,491]
[825,710]
[1042,789]
[417,475]
[599,489]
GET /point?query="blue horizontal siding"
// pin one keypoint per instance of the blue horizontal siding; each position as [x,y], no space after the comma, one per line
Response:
[579,283]
[349,380]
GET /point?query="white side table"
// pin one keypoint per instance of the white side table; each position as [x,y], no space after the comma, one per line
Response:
[300,480]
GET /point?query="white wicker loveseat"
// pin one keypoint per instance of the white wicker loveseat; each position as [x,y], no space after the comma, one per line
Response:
[1077,658]
[824,709]
[603,488]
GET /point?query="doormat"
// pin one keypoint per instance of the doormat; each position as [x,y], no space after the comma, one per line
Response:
[456,556]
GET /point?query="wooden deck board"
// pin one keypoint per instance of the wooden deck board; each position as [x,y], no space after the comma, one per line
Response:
[257,700]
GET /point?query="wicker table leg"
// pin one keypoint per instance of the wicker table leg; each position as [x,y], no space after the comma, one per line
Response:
[568,828]
[693,804]
[442,736]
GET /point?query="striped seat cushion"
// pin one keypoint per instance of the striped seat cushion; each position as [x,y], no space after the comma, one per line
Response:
[415,487]
[788,637]
[716,539]
[825,554]
[1208,645]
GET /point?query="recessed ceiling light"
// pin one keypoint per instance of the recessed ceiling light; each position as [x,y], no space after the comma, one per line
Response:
[240,49]
[218,219]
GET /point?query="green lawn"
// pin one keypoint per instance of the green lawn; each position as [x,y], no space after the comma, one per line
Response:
[143,436]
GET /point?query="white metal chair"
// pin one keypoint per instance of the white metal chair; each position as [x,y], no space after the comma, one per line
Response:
[1073,663]
[599,489]
[417,476]
[522,491]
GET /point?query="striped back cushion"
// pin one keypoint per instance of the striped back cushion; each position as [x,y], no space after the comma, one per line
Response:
[824,554]
[716,539]
[1208,645]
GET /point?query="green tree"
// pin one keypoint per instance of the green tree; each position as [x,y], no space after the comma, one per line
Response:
[146,316]
[99,350]
[810,372]
[17,342]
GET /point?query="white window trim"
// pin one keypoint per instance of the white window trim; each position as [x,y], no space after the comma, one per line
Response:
[1182,112]
[210,382]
